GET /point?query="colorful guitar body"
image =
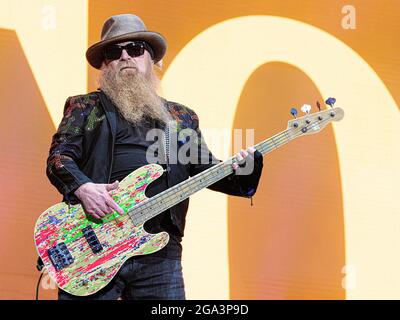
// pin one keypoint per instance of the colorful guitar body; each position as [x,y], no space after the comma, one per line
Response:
[89,252]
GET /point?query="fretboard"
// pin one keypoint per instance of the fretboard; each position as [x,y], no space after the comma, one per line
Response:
[168,198]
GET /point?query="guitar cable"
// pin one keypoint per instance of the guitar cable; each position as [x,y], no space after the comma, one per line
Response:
[37,286]
[39,267]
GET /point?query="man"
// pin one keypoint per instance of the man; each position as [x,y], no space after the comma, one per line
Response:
[103,137]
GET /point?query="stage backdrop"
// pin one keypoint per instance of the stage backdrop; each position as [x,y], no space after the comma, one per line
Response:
[325,223]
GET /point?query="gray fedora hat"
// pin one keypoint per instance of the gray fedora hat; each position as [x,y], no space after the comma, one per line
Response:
[121,28]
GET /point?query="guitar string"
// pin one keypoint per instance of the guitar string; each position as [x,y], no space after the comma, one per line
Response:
[223,170]
[263,147]
[185,185]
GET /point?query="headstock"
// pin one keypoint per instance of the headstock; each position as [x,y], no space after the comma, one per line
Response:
[313,123]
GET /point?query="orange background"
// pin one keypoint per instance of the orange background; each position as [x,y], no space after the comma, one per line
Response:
[292,244]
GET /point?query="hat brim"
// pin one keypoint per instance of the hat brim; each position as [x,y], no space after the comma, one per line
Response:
[157,42]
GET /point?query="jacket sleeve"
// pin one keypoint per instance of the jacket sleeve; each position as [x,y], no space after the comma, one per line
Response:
[243,185]
[65,153]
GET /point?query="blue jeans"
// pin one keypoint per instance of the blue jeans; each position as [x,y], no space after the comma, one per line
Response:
[140,278]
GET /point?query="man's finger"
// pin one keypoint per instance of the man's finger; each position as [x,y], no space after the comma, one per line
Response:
[102,211]
[114,206]
[93,214]
[244,153]
[108,209]
[251,150]
[239,157]
[250,156]
[101,214]
[112,186]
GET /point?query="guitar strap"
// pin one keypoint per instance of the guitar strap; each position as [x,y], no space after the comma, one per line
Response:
[167,146]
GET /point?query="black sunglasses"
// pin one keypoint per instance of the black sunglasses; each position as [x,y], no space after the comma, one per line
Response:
[134,49]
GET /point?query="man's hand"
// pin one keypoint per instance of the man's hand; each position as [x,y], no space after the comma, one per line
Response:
[248,170]
[242,157]
[96,199]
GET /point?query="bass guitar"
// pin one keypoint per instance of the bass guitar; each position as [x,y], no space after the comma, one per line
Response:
[83,254]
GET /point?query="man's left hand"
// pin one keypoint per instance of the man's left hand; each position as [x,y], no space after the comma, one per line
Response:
[243,156]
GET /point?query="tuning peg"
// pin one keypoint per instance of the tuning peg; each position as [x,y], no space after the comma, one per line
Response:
[306,108]
[318,106]
[330,102]
[293,112]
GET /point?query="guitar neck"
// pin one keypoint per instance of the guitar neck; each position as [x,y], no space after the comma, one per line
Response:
[176,194]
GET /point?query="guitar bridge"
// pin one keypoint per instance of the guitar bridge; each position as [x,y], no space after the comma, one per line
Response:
[60,256]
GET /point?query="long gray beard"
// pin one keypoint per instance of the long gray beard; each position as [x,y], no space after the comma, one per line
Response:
[134,95]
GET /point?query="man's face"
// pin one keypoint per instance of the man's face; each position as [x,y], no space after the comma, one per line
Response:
[127,64]
[132,83]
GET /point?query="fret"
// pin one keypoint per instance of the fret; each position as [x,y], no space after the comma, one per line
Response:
[186,189]
[282,141]
[272,138]
[286,136]
[178,193]
[273,142]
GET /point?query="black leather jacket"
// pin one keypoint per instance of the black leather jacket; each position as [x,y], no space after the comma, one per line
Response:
[82,151]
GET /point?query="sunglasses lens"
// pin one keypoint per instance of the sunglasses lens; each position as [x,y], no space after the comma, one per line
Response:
[114,52]
[135,50]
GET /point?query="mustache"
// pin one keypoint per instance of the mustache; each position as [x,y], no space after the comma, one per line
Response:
[128,65]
